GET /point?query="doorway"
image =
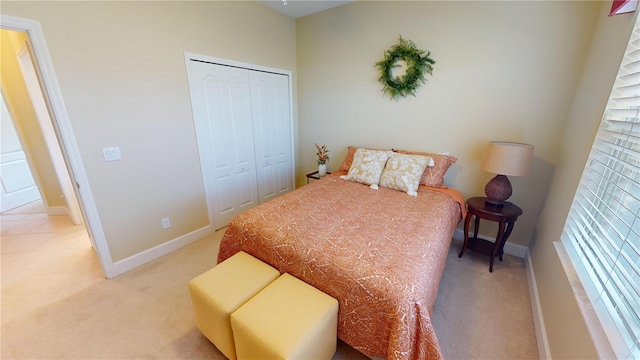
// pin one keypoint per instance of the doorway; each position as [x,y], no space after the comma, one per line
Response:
[45,246]
[37,142]
[63,134]
[32,161]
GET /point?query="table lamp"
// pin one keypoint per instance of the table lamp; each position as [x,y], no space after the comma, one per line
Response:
[505,159]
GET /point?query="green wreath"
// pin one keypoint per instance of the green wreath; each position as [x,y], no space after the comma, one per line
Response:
[418,62]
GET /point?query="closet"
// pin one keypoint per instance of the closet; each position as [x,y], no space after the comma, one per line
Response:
[243,123]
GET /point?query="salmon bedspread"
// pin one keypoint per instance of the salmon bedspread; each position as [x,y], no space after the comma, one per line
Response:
[380,253]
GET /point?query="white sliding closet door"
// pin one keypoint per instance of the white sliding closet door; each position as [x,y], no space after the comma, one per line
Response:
[243,126]
[221,101]
[272,133]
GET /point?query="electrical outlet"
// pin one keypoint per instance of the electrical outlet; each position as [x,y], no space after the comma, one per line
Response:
[166,223]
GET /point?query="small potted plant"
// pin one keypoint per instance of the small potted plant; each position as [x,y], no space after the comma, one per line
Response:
[323,157]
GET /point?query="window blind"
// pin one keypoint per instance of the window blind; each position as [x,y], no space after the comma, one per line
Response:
[602,232]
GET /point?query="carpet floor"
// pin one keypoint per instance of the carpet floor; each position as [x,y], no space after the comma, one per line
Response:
[146,313]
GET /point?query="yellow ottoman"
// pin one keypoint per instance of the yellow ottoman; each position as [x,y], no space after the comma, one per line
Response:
[289,319]
[218,292]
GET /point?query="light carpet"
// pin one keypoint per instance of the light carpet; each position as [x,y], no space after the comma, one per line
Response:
[146,314]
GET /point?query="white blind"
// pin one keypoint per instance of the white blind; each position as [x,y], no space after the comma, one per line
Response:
[602,232]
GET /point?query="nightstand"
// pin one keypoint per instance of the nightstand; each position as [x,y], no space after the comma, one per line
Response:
[314,175]
[505,215]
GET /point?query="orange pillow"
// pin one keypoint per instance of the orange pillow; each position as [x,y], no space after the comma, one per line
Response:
[348,159]
[434,175]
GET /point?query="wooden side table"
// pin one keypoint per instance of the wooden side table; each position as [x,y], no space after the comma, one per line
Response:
[504,215]
[314,175]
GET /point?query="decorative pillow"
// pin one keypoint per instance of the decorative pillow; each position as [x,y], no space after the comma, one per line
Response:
[434,175]
[403,172]
[367,166]
[348,159]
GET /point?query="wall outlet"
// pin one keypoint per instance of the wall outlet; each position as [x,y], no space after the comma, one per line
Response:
[166,223]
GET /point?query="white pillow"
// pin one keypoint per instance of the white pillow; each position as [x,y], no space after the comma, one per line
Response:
[403,172]
[367,166]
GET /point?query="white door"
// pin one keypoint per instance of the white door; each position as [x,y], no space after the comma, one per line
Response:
[221,102]
[18,186]
[272,133]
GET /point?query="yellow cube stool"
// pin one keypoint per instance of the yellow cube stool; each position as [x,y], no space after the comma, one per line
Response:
[289,319]
[218,292]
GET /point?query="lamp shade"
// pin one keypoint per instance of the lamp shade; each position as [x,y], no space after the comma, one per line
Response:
[508,158]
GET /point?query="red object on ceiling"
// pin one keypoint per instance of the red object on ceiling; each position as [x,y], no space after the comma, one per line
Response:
[623,6]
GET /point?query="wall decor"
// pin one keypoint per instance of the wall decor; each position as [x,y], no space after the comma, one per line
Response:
[623,7]
[417,62]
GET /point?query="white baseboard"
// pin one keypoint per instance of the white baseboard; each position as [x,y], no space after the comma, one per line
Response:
[509,248]
[63,211]
[538,320]
[57,210]
[122,266]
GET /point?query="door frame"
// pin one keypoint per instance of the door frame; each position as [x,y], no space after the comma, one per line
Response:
[188,57]
[64,131]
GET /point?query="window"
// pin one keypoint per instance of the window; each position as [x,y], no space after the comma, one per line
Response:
[602,232]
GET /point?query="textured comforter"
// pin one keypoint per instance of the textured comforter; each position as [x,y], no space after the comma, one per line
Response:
[381,253]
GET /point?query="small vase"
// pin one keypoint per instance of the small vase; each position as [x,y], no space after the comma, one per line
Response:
[322,169]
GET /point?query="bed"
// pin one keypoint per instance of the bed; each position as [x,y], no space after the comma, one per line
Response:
[380,252]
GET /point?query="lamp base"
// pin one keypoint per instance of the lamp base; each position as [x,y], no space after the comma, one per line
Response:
[498,190]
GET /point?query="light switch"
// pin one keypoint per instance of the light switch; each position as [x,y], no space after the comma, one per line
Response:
[111,153]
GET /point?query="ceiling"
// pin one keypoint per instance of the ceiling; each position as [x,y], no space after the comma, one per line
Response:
[299,8]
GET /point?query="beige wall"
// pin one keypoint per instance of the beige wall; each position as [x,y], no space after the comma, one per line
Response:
[567,334]
[541,78]
[504,71]
[517,71]
[26,121]
[121,70]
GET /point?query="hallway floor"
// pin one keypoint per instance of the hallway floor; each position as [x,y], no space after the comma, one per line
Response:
[43,259]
